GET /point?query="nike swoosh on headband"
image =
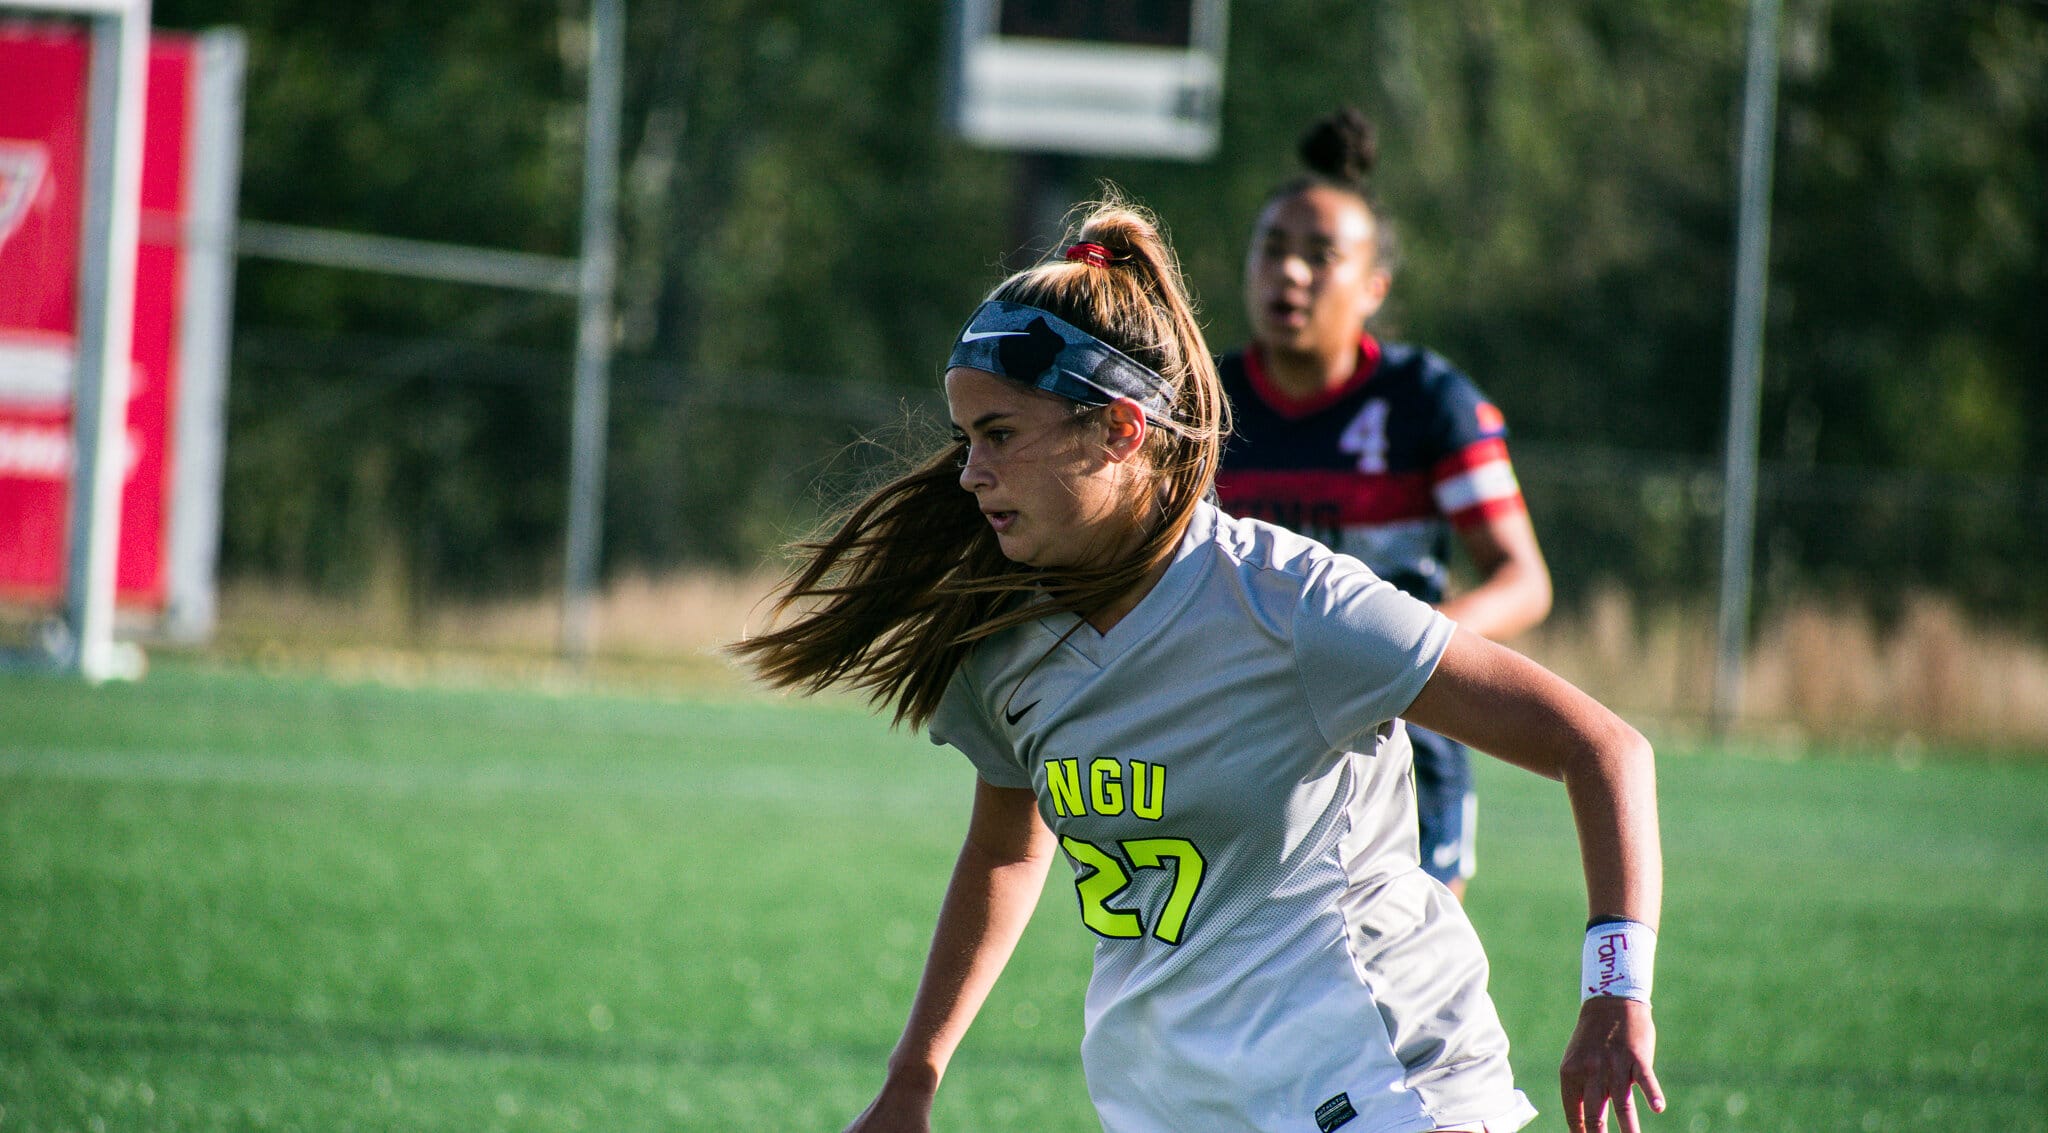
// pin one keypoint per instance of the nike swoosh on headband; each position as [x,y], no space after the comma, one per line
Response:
[1038,348]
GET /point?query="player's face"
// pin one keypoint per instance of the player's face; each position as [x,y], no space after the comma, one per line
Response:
[1050,484]
[1311,277]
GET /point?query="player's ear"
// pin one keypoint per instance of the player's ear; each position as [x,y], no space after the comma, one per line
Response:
[1125,428]
[1378,282]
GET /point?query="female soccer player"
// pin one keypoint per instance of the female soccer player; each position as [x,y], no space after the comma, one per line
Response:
[1379,450]
[1200,712]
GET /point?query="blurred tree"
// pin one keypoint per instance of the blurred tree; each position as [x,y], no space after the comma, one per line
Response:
[801,233]
[1910,312]
[367,437]
[796,220]
[1911,306]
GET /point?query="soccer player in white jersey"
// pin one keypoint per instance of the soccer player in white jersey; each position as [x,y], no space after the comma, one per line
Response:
[1202,714]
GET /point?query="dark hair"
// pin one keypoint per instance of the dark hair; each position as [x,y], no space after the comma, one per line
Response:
[1340,150]
[891,594]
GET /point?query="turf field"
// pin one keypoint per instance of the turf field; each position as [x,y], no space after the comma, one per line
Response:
[236,901]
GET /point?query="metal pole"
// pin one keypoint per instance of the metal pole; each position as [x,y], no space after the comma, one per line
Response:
[106,305]
[1746,352]
[213,168]
[421,259]
[593,327]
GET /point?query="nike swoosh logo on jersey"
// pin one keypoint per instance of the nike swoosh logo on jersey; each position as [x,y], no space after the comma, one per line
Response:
[978,335]
[1013,717]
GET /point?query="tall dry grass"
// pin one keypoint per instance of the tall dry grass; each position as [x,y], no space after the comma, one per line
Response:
[667,630]
[1817,673]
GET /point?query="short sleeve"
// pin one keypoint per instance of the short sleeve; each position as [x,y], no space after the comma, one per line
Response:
[1471,480]
[1364,649]
[1463,415]
[962,722]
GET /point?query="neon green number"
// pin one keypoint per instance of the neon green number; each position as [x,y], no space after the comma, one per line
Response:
[1151,853]
[1105,879]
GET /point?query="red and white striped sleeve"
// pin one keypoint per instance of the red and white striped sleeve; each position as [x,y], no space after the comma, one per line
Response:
[1477,483]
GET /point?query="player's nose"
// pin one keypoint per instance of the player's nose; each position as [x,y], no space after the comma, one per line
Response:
[974,473]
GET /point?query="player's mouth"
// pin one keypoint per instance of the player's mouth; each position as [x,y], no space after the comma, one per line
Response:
[1283,313]
[1002,521]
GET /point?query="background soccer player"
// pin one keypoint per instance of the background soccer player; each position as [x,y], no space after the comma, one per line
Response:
[1377,449]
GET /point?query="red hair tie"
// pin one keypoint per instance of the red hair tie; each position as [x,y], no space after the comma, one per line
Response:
[1094,255]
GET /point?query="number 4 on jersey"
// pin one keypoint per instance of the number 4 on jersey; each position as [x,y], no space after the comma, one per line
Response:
[1105,877]
[1366,437]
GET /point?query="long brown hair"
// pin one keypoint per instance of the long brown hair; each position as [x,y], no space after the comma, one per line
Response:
[895,590]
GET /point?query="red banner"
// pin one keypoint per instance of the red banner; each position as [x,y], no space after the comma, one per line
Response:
[42,176]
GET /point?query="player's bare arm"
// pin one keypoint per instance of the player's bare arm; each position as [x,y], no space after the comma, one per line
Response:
[1502,703]
[996,882]
[1513,593]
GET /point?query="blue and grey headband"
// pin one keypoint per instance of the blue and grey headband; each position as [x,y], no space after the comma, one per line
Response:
[1044,351]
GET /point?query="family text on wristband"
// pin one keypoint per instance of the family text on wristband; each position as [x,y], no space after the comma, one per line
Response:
[1618,961]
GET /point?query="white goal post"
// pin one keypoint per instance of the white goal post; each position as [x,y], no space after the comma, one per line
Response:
[108,236]
[116,450]
[81,641]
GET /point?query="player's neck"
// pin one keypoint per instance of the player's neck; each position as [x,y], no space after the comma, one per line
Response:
[1105,618]
[1305,374]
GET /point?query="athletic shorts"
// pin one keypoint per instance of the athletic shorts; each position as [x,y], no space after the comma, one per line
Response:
[1446,810]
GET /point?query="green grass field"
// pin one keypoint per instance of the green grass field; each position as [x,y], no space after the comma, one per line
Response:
[235,901]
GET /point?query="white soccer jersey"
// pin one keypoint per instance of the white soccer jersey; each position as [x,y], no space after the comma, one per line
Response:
[1225,773]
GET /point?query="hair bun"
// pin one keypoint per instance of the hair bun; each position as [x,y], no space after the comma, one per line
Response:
[1343,146]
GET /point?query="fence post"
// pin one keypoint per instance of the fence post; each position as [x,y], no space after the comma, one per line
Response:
[1746,352]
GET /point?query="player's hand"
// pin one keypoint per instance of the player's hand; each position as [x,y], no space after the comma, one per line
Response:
[896,1111]
[1611,1050]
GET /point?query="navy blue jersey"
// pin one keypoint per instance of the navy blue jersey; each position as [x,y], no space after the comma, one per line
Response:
[1383,468]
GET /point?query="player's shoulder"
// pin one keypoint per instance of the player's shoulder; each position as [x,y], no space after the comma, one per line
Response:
[1273,560]
[1443,393]
[1427,370]
[1254,544]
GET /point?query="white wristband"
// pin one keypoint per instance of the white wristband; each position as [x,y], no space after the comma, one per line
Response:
[1618,961]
